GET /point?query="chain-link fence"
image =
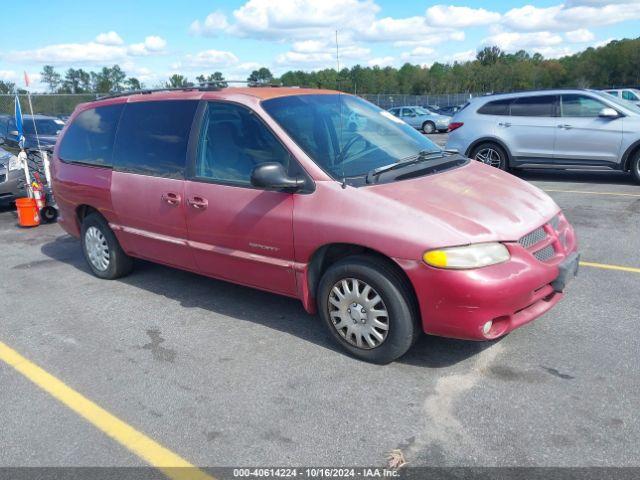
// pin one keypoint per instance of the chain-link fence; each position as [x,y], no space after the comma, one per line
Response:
[55,104]
[63,104]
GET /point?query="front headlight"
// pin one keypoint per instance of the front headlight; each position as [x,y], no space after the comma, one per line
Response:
[14,163]
[468,256]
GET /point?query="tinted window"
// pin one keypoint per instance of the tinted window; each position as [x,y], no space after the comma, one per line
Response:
[153,136]
[43,126]
[580,106]
[628,95]
[89,139]
[539,106]
[233,142]
[497,107]
[395,111]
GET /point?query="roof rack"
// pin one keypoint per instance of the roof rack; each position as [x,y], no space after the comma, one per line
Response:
[202,87]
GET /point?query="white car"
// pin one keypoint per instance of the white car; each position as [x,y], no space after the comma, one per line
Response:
[630,94]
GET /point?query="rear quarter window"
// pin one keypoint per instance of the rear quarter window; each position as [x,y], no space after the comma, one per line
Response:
[153,136]
[497,107]
[89,138]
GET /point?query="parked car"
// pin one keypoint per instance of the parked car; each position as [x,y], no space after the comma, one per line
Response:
[449,111]
[11,178]
[629,94]
[47,129]
[421,118]
[266,188]
[553,128]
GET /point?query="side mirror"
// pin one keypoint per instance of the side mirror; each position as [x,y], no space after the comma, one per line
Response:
[608,113]
[272,176]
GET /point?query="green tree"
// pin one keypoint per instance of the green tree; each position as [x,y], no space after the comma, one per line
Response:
[216,78]
[7,87]
[133,83]
[178,81]
[51,78]
[261,76]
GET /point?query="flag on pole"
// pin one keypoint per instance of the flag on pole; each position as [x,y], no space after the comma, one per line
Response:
[26,79]
[18,115]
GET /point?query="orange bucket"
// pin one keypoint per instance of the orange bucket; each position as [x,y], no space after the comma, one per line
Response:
[27,212]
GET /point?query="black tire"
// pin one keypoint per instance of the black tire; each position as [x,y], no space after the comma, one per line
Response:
[48,214]
[503,157]
[119,264]
[393,288]
[634,166]
[36,164]
[428,127]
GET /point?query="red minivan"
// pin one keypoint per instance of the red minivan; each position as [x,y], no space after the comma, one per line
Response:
[317,195]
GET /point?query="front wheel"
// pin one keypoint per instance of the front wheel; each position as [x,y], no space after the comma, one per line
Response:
[491,154]
[368,308]
[101,249]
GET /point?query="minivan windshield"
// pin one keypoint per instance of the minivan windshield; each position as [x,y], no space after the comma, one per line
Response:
[345,135]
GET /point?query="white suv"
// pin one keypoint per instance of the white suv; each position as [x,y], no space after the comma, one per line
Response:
[629,94]
[552,128]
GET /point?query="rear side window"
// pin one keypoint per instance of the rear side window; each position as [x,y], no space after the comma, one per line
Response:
[539,106]
[153,137]
[629,95]
[497,107]
[89,139]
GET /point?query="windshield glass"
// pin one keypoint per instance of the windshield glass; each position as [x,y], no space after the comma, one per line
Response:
[45,126]
[345,135]
[619,101]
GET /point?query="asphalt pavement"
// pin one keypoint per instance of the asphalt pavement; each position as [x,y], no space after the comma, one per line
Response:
[226,375]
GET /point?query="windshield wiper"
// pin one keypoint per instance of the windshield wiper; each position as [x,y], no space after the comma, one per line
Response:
[405,162]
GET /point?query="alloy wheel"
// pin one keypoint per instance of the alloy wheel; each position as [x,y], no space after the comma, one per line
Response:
[489,156]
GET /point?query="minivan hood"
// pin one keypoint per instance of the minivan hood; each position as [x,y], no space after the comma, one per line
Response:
[469,204]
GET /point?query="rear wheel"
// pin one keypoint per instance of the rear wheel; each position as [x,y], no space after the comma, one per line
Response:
[635,167]
[491,154]
[368,308]
[101,249]
[428,127]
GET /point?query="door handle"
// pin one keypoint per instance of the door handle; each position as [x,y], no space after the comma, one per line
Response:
[565,126]
[171,198]
[198,203]
[504,124]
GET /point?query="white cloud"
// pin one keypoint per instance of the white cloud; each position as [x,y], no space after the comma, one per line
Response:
[466,56]
[381,61]
[109,38]
[70,53]
[207,59]
[418,52]
[8,75]
[449,16]
[581,35]
[151,45]
[212,25]
[530,41]
[320,54]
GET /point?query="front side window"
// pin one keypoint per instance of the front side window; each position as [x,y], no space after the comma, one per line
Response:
[319,125]
[153,136]
[537,106]
[576,105]
[44,126]
[629,95]
[89,139]
[233,141]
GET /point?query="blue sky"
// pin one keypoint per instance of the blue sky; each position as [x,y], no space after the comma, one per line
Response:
[153,39]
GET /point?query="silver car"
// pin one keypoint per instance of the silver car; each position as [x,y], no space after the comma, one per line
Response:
[552,128]
[421,118]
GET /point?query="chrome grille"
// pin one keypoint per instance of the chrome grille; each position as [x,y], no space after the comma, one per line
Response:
[530,239]
[545,254]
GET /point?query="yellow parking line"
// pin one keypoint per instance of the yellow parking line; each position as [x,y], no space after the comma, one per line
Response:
[171,464]
[606,266]
[593,193]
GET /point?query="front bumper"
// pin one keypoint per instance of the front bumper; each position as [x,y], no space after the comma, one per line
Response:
[458,303]
[11,185]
